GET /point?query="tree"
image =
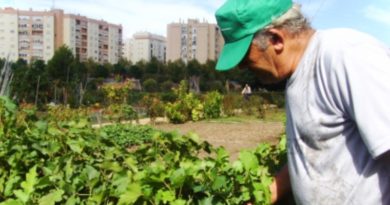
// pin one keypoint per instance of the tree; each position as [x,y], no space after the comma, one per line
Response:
[60,71]
[194,71]
[19,87]
[135,71]
[102,71]
[152,67]
[177,70]
[122,67]
[38,80]
[150,85]
[87,81]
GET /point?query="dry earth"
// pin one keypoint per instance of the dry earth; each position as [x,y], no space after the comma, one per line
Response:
[234,136]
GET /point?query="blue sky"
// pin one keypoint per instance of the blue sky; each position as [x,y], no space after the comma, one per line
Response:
[153,15]
[372,17]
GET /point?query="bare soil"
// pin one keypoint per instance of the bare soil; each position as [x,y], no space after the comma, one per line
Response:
[234,136]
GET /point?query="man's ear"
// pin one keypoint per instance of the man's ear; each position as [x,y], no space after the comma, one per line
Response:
[277,39]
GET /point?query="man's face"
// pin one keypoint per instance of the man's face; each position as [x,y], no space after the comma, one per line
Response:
[262,63]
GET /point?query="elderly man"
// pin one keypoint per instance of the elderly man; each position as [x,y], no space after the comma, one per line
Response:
[337,94]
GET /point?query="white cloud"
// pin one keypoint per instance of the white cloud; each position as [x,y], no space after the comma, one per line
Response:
[312,8]
[379,14]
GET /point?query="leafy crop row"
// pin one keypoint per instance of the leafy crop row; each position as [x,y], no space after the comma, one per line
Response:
[51,162]
[126,135]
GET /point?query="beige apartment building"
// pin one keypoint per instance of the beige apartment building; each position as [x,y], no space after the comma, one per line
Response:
[193,40]
[34,35]
[144,46]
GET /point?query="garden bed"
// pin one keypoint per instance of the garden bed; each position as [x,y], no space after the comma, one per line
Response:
[234,136]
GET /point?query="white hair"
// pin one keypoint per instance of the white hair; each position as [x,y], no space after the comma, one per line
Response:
[293,21]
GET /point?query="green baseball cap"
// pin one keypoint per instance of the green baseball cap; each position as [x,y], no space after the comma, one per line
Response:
[239,20]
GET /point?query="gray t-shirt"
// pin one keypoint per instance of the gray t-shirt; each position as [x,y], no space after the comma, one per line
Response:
[338,121]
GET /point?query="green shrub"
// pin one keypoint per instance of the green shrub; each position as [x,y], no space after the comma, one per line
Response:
[273,97]
[167,86]
[150,85]
[65,113]
[187,106]
[135,97]
[176,113]
[197,112]
[213,105]
[153,105]
[213,86]
[230,103]
[93,96]
[168,96]
[119,112]
[278,99]
[254,106]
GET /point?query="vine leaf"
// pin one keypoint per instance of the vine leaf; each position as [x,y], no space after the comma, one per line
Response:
[133,192]
[51,198]
[28,185]
[249,160]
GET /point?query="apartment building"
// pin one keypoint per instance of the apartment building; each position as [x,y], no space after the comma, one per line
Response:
[34,35]
[193,40]
[26,34]
[144,46]
[90,38]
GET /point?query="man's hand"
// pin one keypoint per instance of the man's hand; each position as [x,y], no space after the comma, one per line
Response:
[280,186]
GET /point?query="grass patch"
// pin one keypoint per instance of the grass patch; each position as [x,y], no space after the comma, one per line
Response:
[271,115]
[275,115]
[234,119]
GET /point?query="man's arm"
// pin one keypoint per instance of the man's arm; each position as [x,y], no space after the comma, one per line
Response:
[281,185]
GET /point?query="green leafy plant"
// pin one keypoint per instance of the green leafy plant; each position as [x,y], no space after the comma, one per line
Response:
[213,105]
[59,162]
[186,107]
[231,103]
[127,135]
[254,106]
[154,106]
[120,112]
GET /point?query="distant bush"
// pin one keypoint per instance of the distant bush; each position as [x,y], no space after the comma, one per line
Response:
[187,106]
[134,97]
[254,106]
[167,86]
[119,112]
[150,85]
[213,105]
[276,98]
[213,86]
[168,96]
[230,103]
[93,96]
[153,105]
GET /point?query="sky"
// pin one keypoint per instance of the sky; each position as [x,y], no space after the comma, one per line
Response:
[370,16]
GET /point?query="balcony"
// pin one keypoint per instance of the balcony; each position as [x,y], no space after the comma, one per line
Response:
[37,27]
[37,32]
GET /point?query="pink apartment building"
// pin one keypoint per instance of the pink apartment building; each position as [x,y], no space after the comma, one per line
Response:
[34,35]
[193,40]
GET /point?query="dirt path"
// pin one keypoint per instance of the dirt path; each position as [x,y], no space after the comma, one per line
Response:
[233,136]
